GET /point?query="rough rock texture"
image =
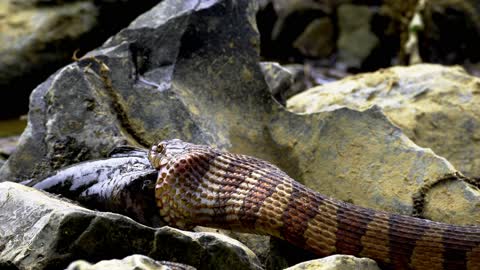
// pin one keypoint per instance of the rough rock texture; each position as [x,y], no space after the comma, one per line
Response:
[337,262]
[356,41]
[278,79]
[37,37]
[435,106]
[133,262]
[259,244]
[191,72]
[40,231]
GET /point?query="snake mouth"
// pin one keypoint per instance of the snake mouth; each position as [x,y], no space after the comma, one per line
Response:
[156,155]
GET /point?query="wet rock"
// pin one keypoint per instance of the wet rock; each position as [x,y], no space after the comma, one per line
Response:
[152,82]
[40,231]
[337,262]
[37,37]
[356,41]
[435,106]
[137,262]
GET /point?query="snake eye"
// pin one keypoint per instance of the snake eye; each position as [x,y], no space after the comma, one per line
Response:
[159,147]
[156,155]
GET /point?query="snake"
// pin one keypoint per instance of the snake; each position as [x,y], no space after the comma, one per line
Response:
[206,186]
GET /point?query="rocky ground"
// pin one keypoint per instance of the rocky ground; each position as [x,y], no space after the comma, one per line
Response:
[392,140]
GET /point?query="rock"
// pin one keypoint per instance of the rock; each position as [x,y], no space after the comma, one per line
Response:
[434,105]
[318,39]
[287,9]
[259,244]
[151,82]
[205,250]
[40,231]
[278,79]
[282,22]
[26,35]
[37,37]
[337,262]
[356,41]
[137,262]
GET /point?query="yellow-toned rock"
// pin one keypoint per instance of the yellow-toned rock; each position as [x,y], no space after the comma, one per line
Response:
[436,107]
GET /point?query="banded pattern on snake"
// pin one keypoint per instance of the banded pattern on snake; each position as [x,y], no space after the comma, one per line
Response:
[201,185]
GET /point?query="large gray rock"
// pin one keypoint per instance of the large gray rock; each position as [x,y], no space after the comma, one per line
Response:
[39,231]
[39,36]
[190,71]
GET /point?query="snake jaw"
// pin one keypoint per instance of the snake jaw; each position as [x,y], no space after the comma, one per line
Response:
[156,155]
[172,190]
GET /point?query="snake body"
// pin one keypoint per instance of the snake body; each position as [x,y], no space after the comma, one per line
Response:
[201,185]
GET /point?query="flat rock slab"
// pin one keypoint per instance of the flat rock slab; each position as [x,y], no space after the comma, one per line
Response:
[39,231]
[136,262]
[189,70]
[337,262]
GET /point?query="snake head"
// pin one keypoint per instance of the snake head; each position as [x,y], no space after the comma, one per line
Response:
[160,153]
[180,166]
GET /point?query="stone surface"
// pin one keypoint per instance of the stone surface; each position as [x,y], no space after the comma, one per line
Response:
[152,82]
[39,231]
[318,38]
[259,244]
[278,79]
[435,106]
[337,262]
[356,41]
[37,37]
[133,262]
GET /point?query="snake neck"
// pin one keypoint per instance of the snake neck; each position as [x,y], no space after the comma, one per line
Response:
[217,189]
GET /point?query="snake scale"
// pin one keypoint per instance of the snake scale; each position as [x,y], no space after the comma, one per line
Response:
[201,185]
